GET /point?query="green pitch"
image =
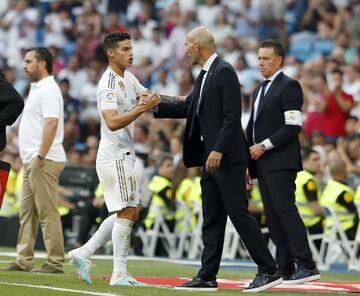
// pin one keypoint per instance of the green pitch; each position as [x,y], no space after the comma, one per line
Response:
[38,283]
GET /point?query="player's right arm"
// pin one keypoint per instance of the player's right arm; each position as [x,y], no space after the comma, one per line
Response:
[115,120]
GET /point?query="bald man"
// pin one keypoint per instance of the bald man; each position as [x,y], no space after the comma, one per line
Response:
[214,139]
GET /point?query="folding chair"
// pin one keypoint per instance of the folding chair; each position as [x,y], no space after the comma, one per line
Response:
[315,252]
[183,235]
[159,230]
[354,262]
[335,243]
[196,244]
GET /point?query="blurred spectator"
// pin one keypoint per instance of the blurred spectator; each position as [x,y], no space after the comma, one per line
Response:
[58,26]
[171,17]
[336,108]
[58,61]
[247,19]
[87,95]
[185,82]
[89,21]
[351,85]
[160,50]
[207,13]
[308,193]
[19,84]
[222,27]
[144,20]
[163,198]
[76,75]
[318,10]
[113,23]
[19,22]
[340,196]
[272,16]
[141,143]
[164,84]
[176,149]
[313,103]
[92,214]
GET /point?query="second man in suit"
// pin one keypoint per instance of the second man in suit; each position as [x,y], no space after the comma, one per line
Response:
[272,132]
[214,139]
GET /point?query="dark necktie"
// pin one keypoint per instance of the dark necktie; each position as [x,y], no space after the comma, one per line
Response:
[261,101]
[196,98]
[262,95]
[197,89]
[263,87]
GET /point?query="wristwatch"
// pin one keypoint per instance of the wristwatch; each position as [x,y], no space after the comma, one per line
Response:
[40,157]
[263,147]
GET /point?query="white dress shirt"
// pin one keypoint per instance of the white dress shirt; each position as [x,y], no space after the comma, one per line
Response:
[266,142]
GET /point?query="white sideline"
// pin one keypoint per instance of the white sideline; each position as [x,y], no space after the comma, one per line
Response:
[223,263]
[60,289]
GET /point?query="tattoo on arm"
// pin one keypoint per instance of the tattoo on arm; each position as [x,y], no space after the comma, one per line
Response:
[165,98]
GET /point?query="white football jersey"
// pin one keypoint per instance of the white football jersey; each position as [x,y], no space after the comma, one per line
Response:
[118,93]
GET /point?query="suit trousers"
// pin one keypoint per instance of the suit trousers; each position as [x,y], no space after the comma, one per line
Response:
[224,194]
[39,205]
[286,227]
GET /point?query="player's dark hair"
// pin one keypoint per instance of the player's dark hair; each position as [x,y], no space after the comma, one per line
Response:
[111,39]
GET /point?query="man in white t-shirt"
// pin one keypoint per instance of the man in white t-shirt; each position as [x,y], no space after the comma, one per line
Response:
[117,107]
[41,134]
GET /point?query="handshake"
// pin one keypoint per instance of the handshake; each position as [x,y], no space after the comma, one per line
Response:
[149,100]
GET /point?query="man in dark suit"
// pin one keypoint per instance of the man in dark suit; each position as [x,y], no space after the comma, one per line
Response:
[11,106]
[214,139]
[272,133]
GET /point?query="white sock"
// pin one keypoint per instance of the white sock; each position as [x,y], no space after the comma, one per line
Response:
[99,239]
[121,244]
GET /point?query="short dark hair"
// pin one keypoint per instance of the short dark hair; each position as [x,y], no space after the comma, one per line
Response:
[165,156]
[306,152]
[275,44]
[43,54]
[111,39]
[337,71]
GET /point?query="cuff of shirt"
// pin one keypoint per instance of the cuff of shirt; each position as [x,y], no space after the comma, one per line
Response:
[268,145]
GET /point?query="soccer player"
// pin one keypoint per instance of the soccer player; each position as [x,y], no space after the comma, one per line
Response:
[118,108]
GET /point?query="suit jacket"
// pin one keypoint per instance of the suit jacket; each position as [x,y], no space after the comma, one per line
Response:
[283,95]
[11,106]
[217,127]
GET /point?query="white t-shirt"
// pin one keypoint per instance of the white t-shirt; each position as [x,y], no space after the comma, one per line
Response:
[117,93]
[44,101]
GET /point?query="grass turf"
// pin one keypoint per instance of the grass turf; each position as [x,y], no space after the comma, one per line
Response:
[138,268]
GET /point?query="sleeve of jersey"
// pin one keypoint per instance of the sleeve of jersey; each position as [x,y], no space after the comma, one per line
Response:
[346,199]
[107,100]
[310,190]
[139,89]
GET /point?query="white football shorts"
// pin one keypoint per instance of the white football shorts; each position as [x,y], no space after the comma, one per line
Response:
[117,178]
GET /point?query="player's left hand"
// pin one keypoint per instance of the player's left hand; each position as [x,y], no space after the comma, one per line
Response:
[213,161]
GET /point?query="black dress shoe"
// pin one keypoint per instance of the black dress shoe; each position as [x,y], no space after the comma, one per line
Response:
[197,284]
[302,275]
[264,281]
